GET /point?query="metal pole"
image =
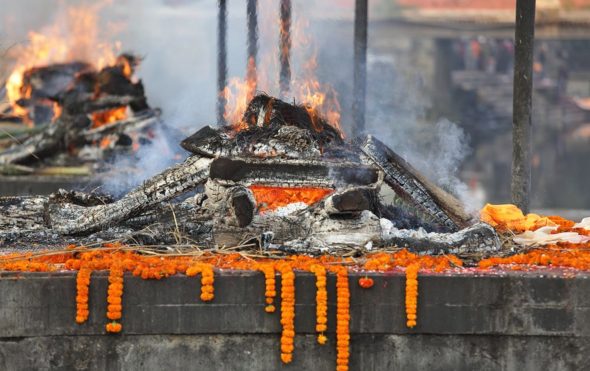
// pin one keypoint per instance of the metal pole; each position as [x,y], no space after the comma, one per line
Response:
[285,48]
[252,45]
[221,61]
[360,66]
[524,38]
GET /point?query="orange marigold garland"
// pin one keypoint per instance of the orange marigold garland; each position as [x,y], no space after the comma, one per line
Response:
[114,299]
[207,279]
[287,312]
[82,284]
[270,285]
[412,294]
[321,302]
[342,319]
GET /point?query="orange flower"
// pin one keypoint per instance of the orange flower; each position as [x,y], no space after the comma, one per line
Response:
[366,282]
[412,294]
[82,284]
[321,302]
[342,319]
[270,285]
[115,292]
[114,327]
[287,311]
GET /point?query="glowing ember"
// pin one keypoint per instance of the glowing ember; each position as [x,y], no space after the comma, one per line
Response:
[108,116]
[271,198]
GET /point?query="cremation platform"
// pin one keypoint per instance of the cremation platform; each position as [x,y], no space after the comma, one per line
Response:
[466,321]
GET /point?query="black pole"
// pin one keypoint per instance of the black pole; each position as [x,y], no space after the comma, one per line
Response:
[252,44]
[360,66]
[524,38]
[221,61]
[285,48]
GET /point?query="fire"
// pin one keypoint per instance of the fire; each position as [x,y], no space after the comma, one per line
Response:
[319,99]
[108,116]
[73,37]
[271,198]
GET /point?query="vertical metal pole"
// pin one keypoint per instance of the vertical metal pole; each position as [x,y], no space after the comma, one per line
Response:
[360,66]
[221,61]
[252,45]
[522,105]
[285,48]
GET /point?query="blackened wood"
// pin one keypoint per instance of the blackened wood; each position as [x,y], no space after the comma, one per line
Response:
[207,141]
[360,65]
[354,200]
[252,44]
[50,81]
[292,172]
[285,48]
[411,186]
[221,61]
[522,105]
[243,206]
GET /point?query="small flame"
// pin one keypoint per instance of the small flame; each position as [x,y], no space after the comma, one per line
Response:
[271,198]
[108,116]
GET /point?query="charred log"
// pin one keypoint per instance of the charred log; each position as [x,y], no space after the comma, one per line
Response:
[410,185]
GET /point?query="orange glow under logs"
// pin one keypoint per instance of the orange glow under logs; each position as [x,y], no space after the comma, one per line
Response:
[271,198]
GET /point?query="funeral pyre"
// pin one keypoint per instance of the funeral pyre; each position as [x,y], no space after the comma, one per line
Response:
[284,178]
[71,113]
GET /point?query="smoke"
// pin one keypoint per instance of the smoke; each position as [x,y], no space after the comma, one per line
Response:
[397,107]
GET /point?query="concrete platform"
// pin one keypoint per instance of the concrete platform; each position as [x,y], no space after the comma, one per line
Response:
[511,321]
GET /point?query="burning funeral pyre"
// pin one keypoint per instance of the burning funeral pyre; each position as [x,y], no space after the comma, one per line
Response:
[281,179]
[77,113]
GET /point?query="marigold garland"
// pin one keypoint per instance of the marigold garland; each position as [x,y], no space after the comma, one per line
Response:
[207,279]
[287,312]
[270,285]
[342,319]
[366,282]
[82,284]
[412,294]
[321,302]
[114,298]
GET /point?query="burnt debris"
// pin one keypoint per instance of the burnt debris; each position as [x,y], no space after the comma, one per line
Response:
[286,175]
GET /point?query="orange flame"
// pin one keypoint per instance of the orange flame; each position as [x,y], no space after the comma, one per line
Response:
[320,99]
[108,116]
[271,198]
[73,37]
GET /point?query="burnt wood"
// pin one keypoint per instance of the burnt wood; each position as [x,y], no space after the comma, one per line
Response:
[292,172]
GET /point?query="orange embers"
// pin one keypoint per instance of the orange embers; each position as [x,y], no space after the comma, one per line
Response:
[271,198]
[287,311]
[412,294]
[270,285]
[114,299]
[82,284]
[207,279]
[108,116]
[342,319]
[321,300]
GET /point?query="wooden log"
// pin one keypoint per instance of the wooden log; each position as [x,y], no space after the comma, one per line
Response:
[414,188]
[73,219]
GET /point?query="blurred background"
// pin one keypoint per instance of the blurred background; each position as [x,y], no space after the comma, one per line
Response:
[439,86]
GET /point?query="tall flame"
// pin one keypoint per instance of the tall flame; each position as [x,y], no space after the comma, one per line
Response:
[319,99]
[73,37]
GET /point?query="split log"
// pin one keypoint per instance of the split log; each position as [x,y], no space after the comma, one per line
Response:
[73,219]
[137,122]
[412,187]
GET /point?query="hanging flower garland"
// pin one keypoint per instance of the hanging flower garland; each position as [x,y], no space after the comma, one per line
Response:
[114,299]
[412,294]
[321,302]
[82,285]
[287,312]
[207,279]
[270,285]
[342,319]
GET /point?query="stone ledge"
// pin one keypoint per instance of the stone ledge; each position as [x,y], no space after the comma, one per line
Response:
[544,303]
